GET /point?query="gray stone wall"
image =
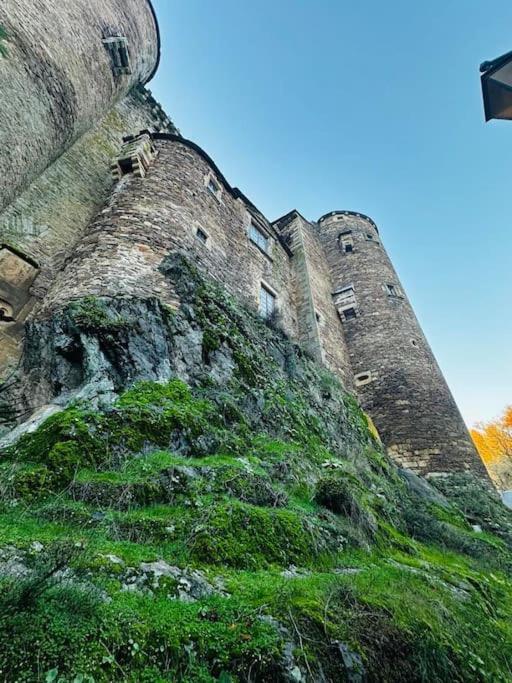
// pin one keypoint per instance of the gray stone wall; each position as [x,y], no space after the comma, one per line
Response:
[148,218]
[58,79]
[400,383]
[44,222]
[319,325]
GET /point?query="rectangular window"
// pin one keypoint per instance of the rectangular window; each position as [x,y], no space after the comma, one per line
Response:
[346,241]
[258,237]
[349,314]
[267,302]
[201,236]
[393,290]
[213,187]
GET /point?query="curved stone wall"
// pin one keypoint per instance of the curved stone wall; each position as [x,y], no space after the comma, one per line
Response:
[148,218]
[59,79]
[397,377]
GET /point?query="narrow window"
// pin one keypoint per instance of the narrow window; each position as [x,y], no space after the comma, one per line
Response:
[118,49]
[346,241]
[258,237]
[267,302]
[213,187]
[201,235]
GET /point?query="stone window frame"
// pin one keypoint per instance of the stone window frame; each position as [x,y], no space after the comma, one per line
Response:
[273,296]
[364,378]
[213,186]
[342,310]
[346,241]
[117,47]
[341,300]
[199,233]
[253,223]
[393,290]
[369,237]
[6,312]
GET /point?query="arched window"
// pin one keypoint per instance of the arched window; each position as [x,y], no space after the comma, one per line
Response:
[6,312]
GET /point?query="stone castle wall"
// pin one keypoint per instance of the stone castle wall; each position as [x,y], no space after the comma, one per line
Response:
[148,218]
[59,79]
[71,90]
[319,325]
[46,220]
[380,347]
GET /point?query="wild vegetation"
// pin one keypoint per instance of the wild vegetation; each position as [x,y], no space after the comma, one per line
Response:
[244,525]
[494,443]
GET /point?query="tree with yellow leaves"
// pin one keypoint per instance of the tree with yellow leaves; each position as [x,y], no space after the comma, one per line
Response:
[493,441]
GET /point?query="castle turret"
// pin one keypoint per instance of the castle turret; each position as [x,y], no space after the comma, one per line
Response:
[396,375]
[67,64]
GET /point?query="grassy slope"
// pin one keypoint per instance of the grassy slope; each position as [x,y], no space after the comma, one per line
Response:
[297,551]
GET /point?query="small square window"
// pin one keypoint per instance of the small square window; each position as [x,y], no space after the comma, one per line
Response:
[349,313]
[369,236]
[349,248]
[258,237]
[267,302]
[201,235]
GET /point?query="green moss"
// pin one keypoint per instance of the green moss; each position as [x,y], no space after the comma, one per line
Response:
[343,493]
[93,315]
[240,535]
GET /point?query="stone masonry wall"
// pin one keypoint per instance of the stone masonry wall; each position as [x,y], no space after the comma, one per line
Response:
[319,326]
[401,385]
[58,79]
[46,220]
[148,218]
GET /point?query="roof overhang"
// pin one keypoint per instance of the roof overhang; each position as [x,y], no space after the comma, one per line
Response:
[497,87]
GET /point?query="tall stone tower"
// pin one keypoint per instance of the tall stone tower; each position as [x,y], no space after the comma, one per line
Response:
[396,375]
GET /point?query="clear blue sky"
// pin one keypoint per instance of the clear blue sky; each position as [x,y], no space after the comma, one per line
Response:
[370,106]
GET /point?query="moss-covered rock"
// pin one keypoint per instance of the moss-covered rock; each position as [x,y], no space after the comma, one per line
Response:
[236,520]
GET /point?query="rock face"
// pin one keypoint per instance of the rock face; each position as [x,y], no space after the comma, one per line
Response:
[203,501]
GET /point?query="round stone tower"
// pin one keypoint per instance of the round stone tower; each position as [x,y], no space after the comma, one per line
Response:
[67,63]
[396,375]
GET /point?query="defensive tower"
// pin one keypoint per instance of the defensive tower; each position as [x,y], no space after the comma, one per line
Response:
[397,377]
